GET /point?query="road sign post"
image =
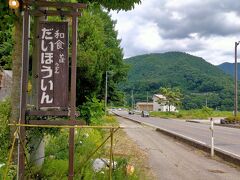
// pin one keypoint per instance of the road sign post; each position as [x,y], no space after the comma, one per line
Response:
[212,138]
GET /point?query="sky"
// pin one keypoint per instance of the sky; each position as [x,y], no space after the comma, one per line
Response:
[204,28]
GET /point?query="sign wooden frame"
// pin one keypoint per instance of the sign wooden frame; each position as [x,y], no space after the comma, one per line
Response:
[73,13]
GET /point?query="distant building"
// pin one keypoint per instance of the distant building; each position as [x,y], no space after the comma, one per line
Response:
[5,83]
[163,106]
[144,106]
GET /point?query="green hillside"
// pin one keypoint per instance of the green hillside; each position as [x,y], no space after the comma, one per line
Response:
[228,68]
[199,81]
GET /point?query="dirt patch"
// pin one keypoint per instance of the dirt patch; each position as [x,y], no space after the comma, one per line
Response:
[125,147]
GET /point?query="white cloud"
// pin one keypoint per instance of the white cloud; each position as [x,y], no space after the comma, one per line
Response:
[176,16]
[217,49]
[206,28]
[148,37]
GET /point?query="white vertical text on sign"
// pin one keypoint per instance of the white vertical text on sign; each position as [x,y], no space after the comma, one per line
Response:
[53,66]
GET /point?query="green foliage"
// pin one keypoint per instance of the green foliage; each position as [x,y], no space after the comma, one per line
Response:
[233,119]
[5,110]
[204,113]
[207,110]
[12,172]
[7,18]
[35,135]
[5,141]
[6,46]
[86,141]
[100,52]
[114,4]
[92,111]
[55,169]
[58,151]
[197,79]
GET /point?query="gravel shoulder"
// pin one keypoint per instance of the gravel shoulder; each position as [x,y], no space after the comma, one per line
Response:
[138,158]
[170,159]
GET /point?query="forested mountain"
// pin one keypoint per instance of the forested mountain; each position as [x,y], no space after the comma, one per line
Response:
[229,68]
[199,81]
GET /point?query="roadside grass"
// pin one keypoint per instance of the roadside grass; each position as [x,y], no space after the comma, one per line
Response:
[232,119]
[126,153]
[192,114]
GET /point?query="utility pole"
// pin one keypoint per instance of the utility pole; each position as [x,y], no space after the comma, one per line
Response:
[132,100]
[106,90]
[236,79]
[106,93]
[147,100]
[206,100]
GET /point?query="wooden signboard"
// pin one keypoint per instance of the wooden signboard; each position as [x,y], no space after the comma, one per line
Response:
[53,65]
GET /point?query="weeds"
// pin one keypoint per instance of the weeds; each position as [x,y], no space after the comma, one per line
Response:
[204,113]
[86,141]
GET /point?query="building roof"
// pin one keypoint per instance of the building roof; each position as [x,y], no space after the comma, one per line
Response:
[160,96]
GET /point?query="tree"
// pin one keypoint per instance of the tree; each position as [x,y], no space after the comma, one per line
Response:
[99,51]
[173,96]
[114,4]
[6,46]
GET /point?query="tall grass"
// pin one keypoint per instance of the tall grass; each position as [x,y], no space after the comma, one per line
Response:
[192,114]
[86,141]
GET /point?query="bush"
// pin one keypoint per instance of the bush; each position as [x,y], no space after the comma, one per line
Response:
[12,171]
[92,111]
[207,110]
[86,141]
[5,110]
[232,119]
[55,169]
[179,115]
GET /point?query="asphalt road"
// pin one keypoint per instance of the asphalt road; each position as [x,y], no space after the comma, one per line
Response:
[227,139]
[171,160]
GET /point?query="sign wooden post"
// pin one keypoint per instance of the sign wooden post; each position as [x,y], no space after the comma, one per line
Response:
[73,94]
[23,95]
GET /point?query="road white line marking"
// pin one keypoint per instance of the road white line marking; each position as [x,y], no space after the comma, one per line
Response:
[228,152]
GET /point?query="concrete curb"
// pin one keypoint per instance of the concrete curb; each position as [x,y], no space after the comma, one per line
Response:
[228,125]
[192,121]
[227,156]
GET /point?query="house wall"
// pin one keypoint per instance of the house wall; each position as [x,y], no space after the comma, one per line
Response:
[146,107]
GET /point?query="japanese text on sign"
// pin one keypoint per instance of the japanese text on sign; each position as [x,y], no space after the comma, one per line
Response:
[53,68]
